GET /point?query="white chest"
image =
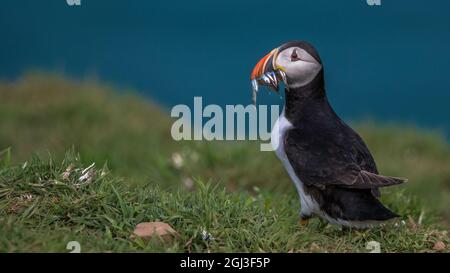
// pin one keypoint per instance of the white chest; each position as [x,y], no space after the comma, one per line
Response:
[282,125]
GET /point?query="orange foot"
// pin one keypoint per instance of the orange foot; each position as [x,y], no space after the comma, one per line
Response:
[303,222]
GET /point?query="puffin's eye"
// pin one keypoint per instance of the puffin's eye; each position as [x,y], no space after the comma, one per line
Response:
[294,56]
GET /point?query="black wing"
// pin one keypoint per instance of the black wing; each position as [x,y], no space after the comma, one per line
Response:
[341,159]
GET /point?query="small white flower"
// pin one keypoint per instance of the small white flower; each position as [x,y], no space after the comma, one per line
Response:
[188,183]
[87,175]
[88,168]
[26,197]
[206,236]
[177,160]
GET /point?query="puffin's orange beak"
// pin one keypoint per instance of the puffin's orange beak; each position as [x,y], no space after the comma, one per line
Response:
[268,73]
[263,64]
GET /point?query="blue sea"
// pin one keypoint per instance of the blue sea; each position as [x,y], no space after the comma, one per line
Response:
[387,63]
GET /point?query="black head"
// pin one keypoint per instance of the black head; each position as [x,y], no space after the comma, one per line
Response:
[296,63]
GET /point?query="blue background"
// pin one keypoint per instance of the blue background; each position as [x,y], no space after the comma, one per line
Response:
[388,62]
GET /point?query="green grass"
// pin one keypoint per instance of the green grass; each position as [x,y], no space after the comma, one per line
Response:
[42,209]
[240,195]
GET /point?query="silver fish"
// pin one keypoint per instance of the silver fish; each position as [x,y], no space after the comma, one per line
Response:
[255,88]
[270,79]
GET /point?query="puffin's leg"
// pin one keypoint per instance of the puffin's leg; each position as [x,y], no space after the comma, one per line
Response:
[304,219]
[303,222]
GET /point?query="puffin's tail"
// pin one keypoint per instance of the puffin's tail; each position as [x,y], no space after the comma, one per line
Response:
[377,180]
[356,205]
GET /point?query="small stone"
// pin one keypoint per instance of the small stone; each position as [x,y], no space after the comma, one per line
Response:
[439,246]
[148,230]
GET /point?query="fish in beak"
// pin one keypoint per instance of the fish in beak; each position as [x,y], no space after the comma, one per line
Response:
[268,73]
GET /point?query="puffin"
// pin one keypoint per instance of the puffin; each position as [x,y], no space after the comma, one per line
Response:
[334,172]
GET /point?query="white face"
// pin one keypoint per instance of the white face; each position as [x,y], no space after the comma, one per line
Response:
[300,67]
